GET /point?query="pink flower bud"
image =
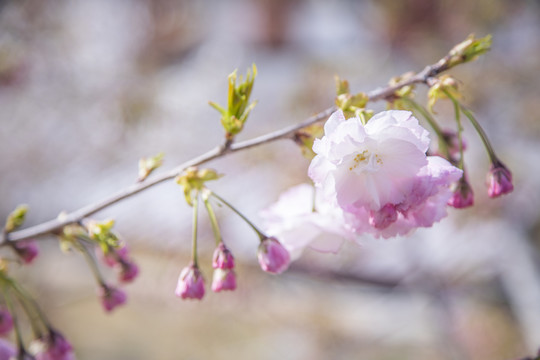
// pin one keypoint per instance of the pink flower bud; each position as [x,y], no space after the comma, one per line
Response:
[273,257]
[55,347]
[382,218]
[129,271]
[499,180]
[111,257]
[6,322]
[463,195]
[190,283]
[7,350]
[223,279]
[222,259]
[111,297]
[27,250]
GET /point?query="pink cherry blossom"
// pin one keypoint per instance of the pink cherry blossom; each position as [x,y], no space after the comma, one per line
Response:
[303,218]
[273,257]
[499,180]
[424,205]
[367,167]
[223,279]
[190,283]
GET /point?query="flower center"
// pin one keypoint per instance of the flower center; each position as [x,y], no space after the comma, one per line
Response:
[365,161]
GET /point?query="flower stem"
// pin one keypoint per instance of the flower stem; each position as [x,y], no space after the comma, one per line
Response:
[443,146]
[459,126]
[491,153]
[195,223]
[259,233]
[91,263]
[212,216]
[26,299]
[18,335]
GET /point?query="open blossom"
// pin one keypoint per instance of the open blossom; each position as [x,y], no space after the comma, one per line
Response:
[190,283]
[367,167]
[272,256]
[303,218]
[380,175]
[424,205]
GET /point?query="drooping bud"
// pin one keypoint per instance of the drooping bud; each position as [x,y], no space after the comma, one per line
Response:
[223,279]
[223,258]
[54,346]
[463,195]
[128,270]
[6,322]
[273,257]
[499,180]
[27,250]
[190,283]
[111,297]
[385,216]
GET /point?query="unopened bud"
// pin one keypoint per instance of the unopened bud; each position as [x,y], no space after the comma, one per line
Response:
[111,297]
[223,258]
[499,180]
[190,283]
[463,195]
[27,250]
[223,279]
[273,257]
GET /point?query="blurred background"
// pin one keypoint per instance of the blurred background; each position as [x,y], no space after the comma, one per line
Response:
[89,87]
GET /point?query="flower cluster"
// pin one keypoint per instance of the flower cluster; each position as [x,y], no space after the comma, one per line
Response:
[371,178]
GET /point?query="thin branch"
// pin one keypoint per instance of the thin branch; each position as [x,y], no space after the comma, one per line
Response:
[55,225]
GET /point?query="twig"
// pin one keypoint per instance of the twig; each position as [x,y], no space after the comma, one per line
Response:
[55,225]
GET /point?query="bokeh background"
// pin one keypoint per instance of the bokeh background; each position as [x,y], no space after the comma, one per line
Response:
[89,87]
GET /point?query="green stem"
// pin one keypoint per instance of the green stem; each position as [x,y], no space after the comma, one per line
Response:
[459,126]
[195,222]
[24,298]
[213,220]
[491,153]
[259,233]
[443,146]
[18,335]
[91,263]
[483,136]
